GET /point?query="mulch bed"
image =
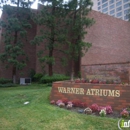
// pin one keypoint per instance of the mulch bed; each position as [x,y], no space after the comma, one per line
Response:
[115,114]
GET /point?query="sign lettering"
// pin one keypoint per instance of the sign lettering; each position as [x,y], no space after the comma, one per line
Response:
[94,92]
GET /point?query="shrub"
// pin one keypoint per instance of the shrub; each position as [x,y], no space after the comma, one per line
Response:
[59,101]
[52,102]
[82,105]
[37,77]
[124,113]
[102,112]
[100,108]
[55,77]
[8,85]
[5,81]
[31,74]
[69,106]
[109,110]
[65,101]
[61,105]
[87,111]
[76,103]
[94,107]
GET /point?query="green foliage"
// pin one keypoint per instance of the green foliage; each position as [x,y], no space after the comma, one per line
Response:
[5,81]
[77,24]
[48,60]
[37,77]
[64,26]
[15,33]
[31,74]
[54,34]
[8,85]
[55,77]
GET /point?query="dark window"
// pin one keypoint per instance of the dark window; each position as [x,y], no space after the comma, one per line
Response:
[118,3]
[119,8]
[27,80]
[99,8]
[125,1]
[98,3]
[112,11]
[105,10]
[119,14]
[126,5]
[126,17]
[112,6]
[103,1]
[126,11]
[111,2]
[105,5]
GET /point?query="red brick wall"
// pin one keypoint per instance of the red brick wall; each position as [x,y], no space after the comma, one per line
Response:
[110,40]
[118,100]
[110,49]
[107,71]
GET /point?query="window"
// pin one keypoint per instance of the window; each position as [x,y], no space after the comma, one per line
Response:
[98,3]
[105,10]
[126,17]
[99,8]
[125,1]
[111,2]
[103,1]
[112,6]
[126,11]
[119,14]
[118,3]
[105,5]
[119,8]
[126,5]
[112,11]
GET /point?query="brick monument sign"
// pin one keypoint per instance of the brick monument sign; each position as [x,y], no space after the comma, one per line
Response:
[115,95]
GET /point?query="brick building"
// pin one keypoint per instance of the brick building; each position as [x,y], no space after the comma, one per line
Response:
[110,51]
[108,56]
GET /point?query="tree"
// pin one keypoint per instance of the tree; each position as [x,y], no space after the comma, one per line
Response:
[52,33]
[77,24]
[15,34]
[64,24]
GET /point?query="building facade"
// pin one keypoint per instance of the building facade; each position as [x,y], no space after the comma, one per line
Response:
[108,56]
[115,8]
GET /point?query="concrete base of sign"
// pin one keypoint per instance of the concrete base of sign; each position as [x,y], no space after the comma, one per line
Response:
[115,95]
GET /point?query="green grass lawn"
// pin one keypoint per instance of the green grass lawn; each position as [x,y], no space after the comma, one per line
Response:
[40,115]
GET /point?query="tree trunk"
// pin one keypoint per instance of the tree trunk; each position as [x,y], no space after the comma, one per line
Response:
[50,64]
[72,70]
[14,74]
[14,67]
[52,42]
